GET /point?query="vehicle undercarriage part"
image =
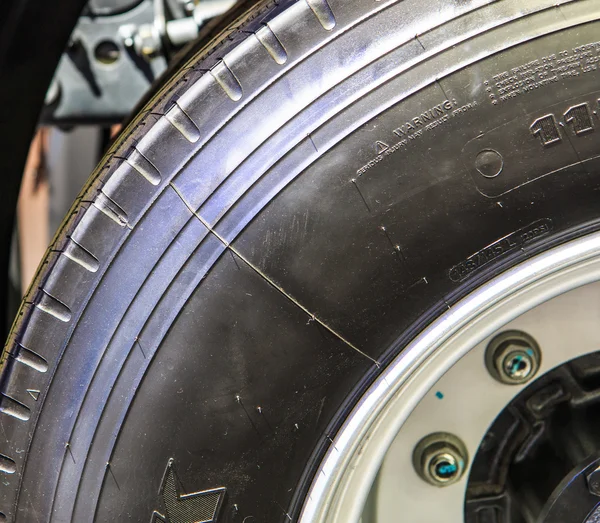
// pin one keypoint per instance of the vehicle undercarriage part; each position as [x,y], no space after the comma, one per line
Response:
[115,53]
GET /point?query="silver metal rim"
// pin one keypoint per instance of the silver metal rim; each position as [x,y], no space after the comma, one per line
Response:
[349,469]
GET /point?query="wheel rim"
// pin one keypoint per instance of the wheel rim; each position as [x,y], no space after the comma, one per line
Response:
[385,420]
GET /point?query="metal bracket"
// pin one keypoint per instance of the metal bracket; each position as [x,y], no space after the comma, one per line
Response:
[112,60]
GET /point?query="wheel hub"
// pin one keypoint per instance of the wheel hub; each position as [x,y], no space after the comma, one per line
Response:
[537,458]
[574,501]
[459,379]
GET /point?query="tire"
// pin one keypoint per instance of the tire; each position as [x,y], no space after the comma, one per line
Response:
[306,194]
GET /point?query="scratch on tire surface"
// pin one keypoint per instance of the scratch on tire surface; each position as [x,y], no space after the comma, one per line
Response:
[267,279]
[361,194]
[283,510]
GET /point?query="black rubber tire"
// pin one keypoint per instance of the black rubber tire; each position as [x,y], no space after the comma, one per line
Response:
[289,210]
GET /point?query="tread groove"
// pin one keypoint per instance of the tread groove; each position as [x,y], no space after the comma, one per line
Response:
[144,167]
[227,80]
[7,465]
[179,119]
[323,12]
[272,44]
[81,255]
[107,206]
[14,408]
[30,358]
[54,307]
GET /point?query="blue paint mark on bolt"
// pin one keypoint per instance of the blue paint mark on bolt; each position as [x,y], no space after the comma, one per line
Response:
[446,470]
[439,395]
[516,364]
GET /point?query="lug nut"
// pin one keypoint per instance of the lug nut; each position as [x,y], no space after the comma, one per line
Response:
[440,459]
[518,364]
[593,481]
[513,357]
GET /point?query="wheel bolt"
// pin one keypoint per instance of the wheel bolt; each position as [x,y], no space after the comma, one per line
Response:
[593,481]
[443,467]
[513,357]
[440,459]
[518,365]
